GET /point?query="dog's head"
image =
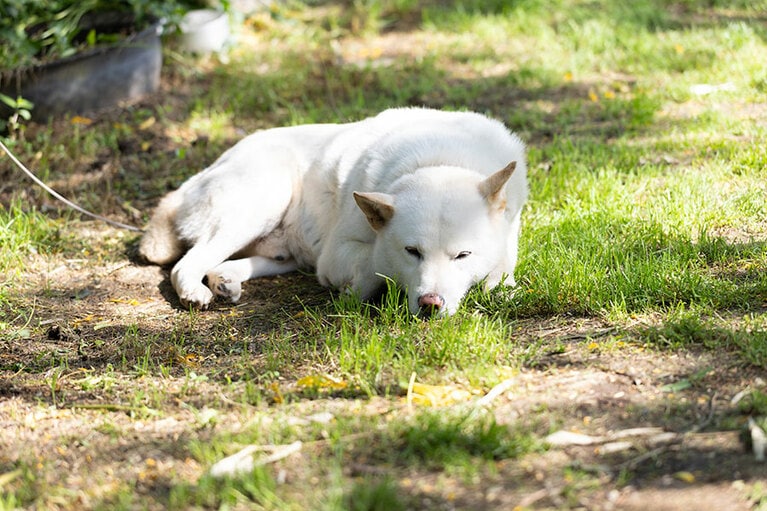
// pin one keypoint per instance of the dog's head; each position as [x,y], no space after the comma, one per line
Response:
[439,231]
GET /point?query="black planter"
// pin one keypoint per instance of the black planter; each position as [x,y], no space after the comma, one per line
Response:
[94,79]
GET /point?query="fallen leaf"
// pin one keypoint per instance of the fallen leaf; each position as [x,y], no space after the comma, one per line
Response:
[277,394]
[702,89]
[245,460]
[321,382]
[677,386]
[147,123]
[128,301]
[189,360]
[758,439]
[84,121]
[102,324]
[566,438]
[613,447]
[435,395]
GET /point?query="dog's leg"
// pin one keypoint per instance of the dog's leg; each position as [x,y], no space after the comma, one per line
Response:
[186,276]
[226,279]
[240,199]
[208,255]
[348,265]
[209,258]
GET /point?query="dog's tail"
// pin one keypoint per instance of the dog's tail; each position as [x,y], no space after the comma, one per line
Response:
[160,243]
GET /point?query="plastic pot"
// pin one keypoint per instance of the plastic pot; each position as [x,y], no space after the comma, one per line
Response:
[94,79]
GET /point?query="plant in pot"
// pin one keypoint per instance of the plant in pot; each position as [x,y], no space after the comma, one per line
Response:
[78,56]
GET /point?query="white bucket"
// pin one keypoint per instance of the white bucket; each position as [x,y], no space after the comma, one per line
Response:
[204,30]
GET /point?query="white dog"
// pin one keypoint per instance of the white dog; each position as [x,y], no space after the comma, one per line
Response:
[430,199]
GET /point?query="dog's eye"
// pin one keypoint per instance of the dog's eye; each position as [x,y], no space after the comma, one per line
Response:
[462,255]
[414,252]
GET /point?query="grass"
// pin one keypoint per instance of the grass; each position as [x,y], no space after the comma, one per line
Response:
[642,252]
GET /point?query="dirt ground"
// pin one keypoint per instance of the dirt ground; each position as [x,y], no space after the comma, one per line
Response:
[647,447]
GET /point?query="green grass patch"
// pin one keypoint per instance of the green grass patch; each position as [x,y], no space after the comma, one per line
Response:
[463,441]
[24,232]
[687,329]
[439,439]
[378,346]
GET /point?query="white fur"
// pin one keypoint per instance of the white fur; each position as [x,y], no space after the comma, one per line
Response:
[283,198]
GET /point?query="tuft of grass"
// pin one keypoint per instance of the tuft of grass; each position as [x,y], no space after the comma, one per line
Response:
[754,403]
[257,488]
[630,266]
[381,352]
[26,231]
[374,495]
[456,441]
[438,439]
[686,328]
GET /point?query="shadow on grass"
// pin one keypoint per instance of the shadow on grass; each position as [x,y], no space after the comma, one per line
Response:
[531,101]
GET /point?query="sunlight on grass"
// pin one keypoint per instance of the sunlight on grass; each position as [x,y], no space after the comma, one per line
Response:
[23,233]
[215,125]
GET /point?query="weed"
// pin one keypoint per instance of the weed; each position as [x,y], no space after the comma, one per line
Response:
[685,328]
[21,113]
[438,439]
[24,233]
[374,495]
[754,403]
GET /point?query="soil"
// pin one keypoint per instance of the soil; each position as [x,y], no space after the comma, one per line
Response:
[83,420]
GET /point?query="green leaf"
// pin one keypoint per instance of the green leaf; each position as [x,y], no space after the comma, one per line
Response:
[23,103]
[677,386]
[7,100]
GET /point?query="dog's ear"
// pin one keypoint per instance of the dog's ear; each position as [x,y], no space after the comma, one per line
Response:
[378,208]
[492,188]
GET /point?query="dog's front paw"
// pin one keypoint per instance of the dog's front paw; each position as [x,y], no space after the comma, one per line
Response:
[225,286]
[199,297]
[365,285]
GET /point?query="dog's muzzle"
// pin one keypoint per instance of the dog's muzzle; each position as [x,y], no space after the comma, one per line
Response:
[430,304]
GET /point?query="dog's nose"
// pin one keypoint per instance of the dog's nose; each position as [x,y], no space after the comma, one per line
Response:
[430,304]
